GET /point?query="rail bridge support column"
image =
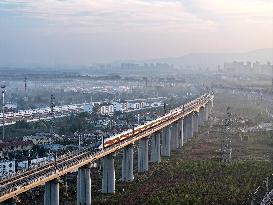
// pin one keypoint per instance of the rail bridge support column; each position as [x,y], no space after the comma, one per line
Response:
[174,136]
[181,133]
[143,163]
[195,121]
[189,126]
[166,141]
[185,134]
[84,186]
[206,113]
[127,164]
[201,117]
[209,105]
[51,195]
[155,155]
[108,174]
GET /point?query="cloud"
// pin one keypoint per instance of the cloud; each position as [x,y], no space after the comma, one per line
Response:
[134,15]
[109,14]
[112,29]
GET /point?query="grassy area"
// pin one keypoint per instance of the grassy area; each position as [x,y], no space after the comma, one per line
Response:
[196,174]
[241,106]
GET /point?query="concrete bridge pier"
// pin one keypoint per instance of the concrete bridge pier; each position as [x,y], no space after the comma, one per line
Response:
[84,186]
[185,134]
[51,195]
[206,113]
[155,154]
[195,121]
[166,141]
[127,164]
[181,133]
[210,106]
[201,117]
[189,126]
[143,163]
[108,174]
[174,136]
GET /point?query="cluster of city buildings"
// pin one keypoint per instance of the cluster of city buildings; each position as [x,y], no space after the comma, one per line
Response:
[248,67]
[48,142]
[104,108]
[108,108]
[134,66]
[32,115]
[10,167]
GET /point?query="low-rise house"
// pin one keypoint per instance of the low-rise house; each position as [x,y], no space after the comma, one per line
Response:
[88,108]
[54,147]
[120,106]
[7,168]
[42,138]
[12,146]
[137,104]
[134,105]
[143,104]
[155,104]
[23,165]
[38,139]
[106,109]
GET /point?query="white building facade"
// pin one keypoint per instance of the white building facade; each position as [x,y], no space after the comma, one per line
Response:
[7,168]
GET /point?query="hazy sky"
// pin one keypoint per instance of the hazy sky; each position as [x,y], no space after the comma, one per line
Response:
[85,31]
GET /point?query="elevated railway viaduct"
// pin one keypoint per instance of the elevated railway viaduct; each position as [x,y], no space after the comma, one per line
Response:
[168,132]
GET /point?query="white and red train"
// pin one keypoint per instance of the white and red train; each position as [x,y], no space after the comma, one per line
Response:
[142,128]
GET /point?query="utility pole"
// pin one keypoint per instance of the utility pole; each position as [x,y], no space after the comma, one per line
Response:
[165,108]
[79,136]
[26,96]
[3,108]
[26,85]
[102,141]
[52,105]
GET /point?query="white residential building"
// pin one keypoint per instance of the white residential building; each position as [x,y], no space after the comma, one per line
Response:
[156,104]
[134,105]
[106,109]
[7,168]
[88,108]
[120,106]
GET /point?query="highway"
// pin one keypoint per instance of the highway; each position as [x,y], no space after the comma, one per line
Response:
[34,177]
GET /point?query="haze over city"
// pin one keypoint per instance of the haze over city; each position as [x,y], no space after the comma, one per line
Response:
[72,32]
[136,102]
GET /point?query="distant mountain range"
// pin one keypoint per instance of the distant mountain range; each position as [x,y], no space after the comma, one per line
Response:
[193,60]
[261,55]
